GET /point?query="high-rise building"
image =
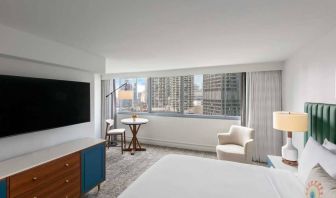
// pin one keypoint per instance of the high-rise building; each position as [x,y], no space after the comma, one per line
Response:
[188,92]
[165,95]
[159,98]
[221,94]
[174,92]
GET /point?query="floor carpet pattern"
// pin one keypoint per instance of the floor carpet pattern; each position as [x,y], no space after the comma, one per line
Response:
[122,170]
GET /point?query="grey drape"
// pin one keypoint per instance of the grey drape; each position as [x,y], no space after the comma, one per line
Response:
[243,100]
[106,104]
[114,104]
[263,97]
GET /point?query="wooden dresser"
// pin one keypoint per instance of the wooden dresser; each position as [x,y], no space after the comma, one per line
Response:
[67,170]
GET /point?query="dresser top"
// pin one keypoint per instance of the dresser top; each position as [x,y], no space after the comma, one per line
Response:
[30,160]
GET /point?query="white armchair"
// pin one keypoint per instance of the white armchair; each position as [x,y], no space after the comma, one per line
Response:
[237,145]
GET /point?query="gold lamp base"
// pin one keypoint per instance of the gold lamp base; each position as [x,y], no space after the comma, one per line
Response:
[290,163]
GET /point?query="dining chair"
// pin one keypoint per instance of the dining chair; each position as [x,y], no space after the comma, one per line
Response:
[114,132]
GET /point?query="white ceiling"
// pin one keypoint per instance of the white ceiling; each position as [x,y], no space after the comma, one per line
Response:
[141,35]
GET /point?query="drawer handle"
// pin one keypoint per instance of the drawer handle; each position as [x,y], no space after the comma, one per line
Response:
[34,178]
[67,165]
[66,181]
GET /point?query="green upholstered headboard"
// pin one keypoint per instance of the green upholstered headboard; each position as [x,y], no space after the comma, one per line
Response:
[322,121]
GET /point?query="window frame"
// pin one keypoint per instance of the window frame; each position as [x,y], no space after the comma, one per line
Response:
[174,114]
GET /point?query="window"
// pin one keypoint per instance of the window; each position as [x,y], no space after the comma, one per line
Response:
[133,97]
[212,94]
[221,94]
[193,94]
[200,95]
[166,94]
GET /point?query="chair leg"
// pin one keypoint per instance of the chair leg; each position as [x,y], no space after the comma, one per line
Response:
[124,139]
[106,138]
[122,144]
[109,142]
[106,144]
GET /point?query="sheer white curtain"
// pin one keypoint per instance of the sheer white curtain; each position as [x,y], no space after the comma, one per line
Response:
[263,97]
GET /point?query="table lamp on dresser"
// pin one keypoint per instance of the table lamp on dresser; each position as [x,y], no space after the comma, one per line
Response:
[290,122]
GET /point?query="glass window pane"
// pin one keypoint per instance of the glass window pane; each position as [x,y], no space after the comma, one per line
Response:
[206,94]
[232,94]
[221,94]
[133,97]
[193,94]
[165,94]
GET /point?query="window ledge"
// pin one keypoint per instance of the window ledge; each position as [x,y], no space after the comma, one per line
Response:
[167,114]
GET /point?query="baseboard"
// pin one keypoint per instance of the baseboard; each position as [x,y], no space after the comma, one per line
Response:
[174,144]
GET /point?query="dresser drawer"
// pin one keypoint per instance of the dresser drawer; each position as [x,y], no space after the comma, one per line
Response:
[28,182]
[70,187]
[66,186]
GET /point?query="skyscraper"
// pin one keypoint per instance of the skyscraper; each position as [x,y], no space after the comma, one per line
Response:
[221,94]
[159,97]
[165,94]
[174,92]
[188,92]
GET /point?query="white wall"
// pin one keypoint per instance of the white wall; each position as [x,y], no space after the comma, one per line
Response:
[24,45]
[97,105]
[189,133]
[309,76]
[17,145]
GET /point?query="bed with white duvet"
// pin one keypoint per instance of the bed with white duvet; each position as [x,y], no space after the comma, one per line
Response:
[179,176]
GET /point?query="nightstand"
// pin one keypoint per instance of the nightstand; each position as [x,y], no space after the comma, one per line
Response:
[276,162]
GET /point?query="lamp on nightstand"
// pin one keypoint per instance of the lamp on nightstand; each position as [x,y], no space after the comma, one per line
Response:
[290,122]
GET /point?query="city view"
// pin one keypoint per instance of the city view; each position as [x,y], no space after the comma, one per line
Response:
[208,94]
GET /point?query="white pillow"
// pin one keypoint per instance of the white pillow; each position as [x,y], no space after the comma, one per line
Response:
[329,145]
[314,153]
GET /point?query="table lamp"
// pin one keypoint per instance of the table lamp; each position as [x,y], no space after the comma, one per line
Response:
[290,122]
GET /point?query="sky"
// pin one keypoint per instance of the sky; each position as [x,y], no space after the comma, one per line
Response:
[198,80]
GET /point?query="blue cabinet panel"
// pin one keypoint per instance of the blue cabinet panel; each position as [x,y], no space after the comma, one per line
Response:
[3,188]
[93,167]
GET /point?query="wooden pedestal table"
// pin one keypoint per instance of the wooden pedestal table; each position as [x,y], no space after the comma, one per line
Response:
[134,125]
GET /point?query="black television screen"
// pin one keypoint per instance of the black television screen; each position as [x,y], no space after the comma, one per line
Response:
[33,104]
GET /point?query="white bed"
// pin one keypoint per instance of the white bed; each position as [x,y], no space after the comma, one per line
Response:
[178,176]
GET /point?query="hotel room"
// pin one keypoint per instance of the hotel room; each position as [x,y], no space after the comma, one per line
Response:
[168,99]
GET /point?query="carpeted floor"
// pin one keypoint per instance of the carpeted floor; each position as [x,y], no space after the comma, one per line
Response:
[122,170]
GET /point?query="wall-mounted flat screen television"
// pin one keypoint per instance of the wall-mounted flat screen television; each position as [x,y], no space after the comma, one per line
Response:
[34,104]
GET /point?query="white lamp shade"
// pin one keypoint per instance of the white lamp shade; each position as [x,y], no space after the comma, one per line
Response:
[125,95]
[290,121]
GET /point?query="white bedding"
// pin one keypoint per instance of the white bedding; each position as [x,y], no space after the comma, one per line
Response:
[178,176]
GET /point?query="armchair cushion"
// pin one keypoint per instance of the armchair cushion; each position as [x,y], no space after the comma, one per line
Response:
[231,152]
[225,138]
